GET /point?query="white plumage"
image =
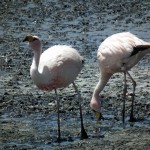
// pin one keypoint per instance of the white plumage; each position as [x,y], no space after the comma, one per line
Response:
[118,53]
[56,67]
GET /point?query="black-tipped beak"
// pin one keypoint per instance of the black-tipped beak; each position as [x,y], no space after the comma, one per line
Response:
[25,39]
[98,115]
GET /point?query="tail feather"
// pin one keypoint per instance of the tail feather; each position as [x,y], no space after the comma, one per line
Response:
[139,48]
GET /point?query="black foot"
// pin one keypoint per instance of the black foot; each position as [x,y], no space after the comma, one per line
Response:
[83,134]
[132,119]
[58,140]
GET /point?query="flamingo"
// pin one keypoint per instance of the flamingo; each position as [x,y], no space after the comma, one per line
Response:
[56,67]
[118,53]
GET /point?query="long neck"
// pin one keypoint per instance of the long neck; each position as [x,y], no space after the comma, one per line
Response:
[101,84]
[34,72]
[95,103]
[36,59]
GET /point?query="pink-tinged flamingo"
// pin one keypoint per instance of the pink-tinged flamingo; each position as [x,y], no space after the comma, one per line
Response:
[56,67]
[118,53]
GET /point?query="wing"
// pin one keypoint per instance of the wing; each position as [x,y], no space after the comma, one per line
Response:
[139,48]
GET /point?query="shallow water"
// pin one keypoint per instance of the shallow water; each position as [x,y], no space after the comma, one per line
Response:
[28,116]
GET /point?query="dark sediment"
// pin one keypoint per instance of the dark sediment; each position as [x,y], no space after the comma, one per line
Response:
[29,116]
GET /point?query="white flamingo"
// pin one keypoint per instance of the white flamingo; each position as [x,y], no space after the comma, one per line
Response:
[56,67]
[118,53]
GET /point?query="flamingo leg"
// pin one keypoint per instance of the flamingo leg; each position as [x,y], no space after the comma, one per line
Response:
[58,119]
[124,98]
[83,132]
[132,119]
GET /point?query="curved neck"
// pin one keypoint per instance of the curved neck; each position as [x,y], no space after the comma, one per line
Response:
[34,72]
[36,59]
[95,103]
[101,84]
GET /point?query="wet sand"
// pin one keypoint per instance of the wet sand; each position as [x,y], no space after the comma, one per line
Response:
[28,116]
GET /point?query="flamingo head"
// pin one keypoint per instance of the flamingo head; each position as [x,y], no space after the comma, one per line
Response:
[95,105]
[34,42]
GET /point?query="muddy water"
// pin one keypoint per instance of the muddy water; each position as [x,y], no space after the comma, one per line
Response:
[28,116]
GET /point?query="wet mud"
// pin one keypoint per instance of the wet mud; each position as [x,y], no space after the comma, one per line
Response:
[28,116]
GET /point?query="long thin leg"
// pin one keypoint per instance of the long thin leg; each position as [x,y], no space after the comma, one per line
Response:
[132,119]
[83,132]
[58,119]
[124,98]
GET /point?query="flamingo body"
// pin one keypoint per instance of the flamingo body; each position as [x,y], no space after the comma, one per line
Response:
[114,54]
[56,67]
[117,53]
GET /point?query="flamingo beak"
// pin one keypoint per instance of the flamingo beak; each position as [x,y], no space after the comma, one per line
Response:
[25,39]
[99,115]
[29,38]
